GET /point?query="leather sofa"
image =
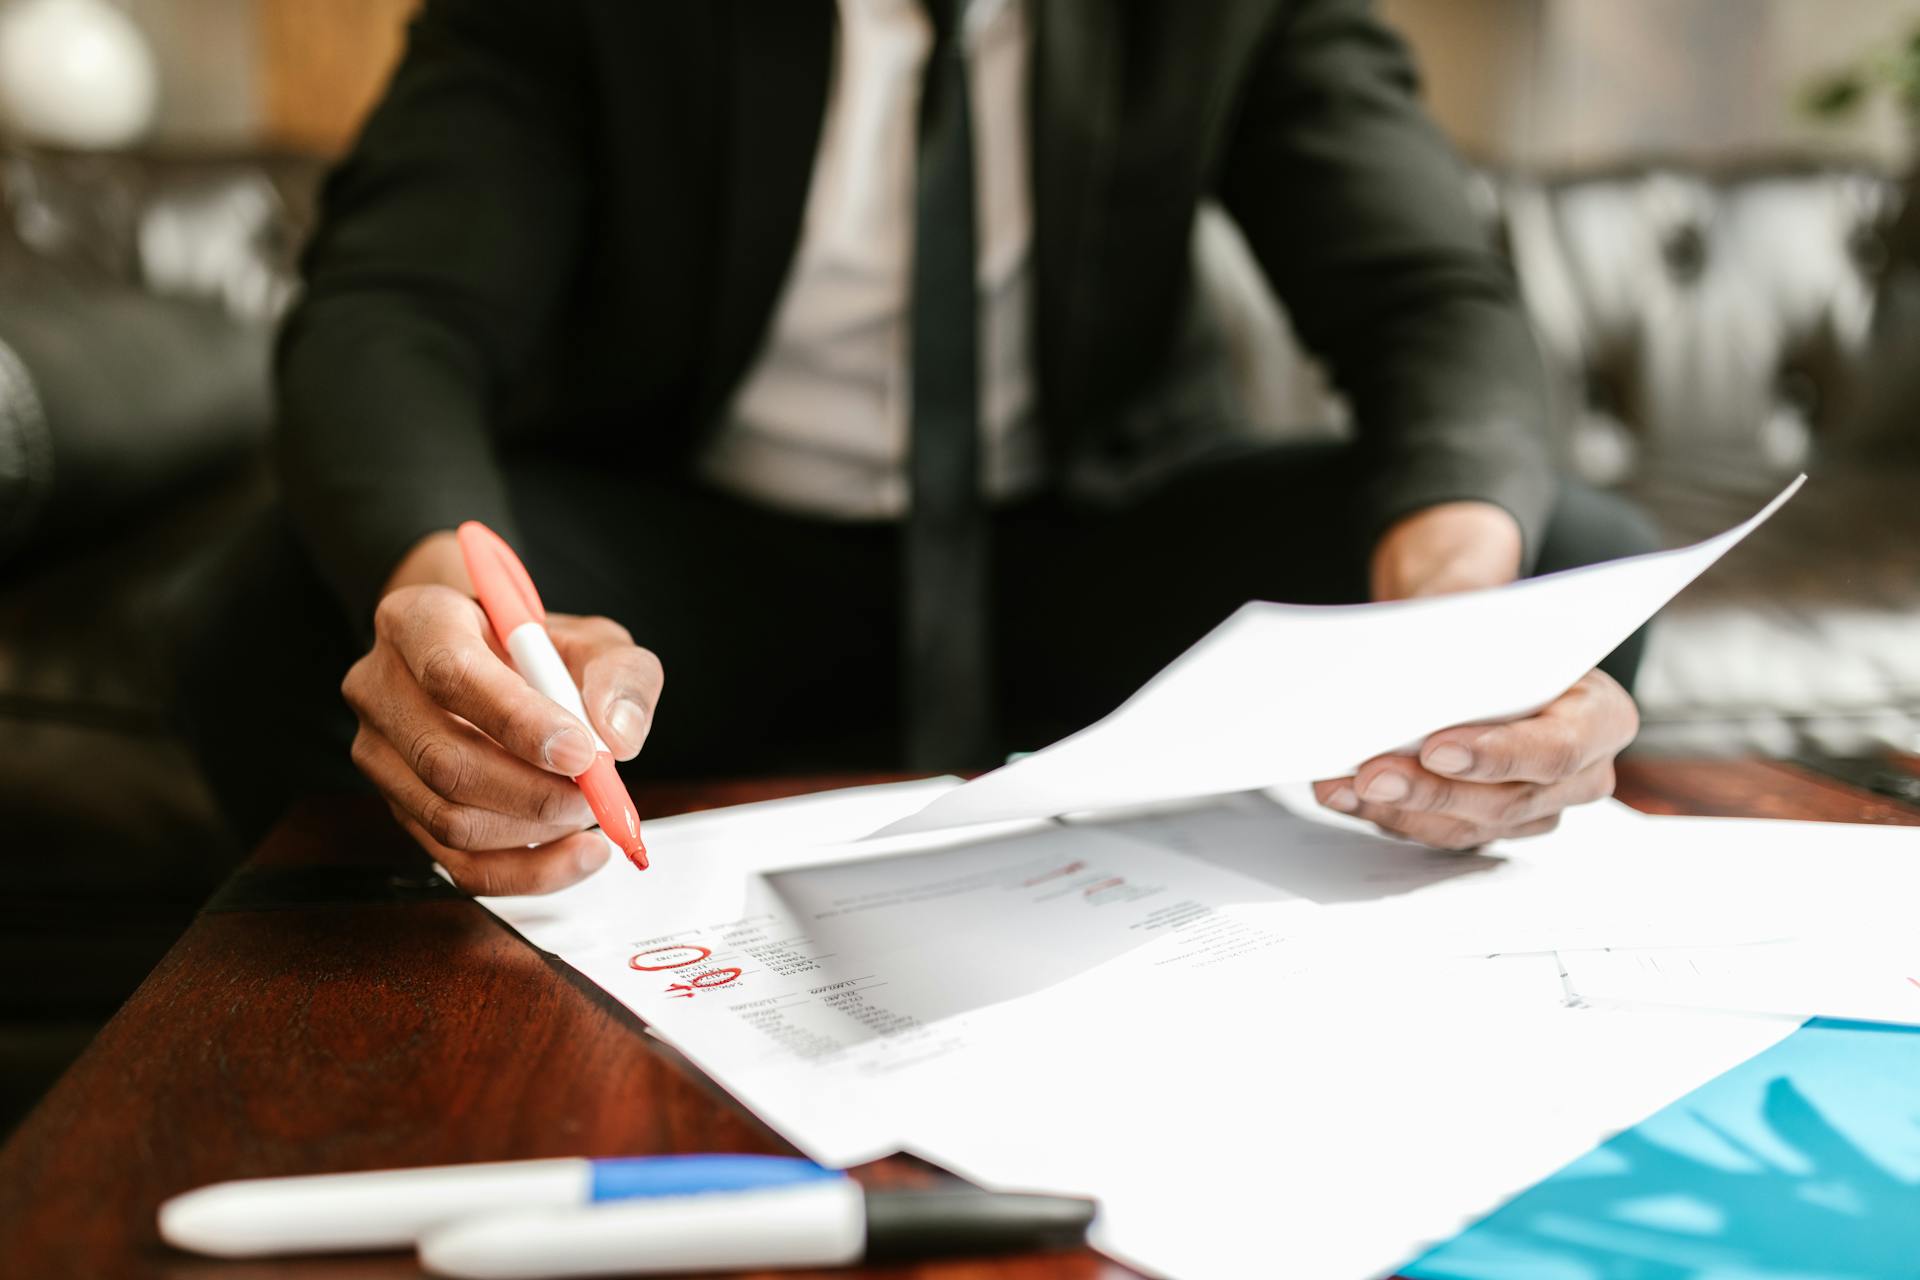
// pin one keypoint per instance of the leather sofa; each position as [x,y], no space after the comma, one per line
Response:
[136,304]
[1717,334]
[1710,334]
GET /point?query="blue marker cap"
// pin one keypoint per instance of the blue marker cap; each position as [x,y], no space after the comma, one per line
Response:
[631,1177]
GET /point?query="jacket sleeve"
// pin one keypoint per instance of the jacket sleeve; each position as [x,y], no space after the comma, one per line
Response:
[445,240]
[1358,212]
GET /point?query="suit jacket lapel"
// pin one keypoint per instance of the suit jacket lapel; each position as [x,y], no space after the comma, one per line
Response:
[1075,102]
[781,59]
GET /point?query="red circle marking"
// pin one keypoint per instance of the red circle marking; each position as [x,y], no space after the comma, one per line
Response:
[677,964]
[720,978]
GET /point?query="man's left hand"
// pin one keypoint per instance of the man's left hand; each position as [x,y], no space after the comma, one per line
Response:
[1478,783]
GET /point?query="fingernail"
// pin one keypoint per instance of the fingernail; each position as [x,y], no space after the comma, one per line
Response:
[1449,757]
[1344,800]
[628,722]
[569,751]
[592,854]
[1387,788]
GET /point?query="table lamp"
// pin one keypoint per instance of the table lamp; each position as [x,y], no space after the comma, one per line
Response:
[74,73]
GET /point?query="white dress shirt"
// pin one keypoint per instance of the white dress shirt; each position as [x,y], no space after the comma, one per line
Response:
[821,423]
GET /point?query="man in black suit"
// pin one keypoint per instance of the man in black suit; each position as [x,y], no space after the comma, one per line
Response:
[835,349]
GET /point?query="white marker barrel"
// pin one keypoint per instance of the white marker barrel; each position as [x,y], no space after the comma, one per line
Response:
[818,1224]
[332,1212]
[541,666]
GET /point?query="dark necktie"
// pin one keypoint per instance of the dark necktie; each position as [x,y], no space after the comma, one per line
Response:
[948,684]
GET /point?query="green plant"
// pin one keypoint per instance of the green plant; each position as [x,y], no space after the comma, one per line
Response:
[1891,68]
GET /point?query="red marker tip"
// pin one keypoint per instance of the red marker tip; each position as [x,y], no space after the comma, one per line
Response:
[607,797]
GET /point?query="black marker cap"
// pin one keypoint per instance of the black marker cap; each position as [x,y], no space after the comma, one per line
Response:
[962,1221]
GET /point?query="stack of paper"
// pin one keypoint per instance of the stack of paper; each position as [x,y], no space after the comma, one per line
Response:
[1253,1034]
[1269,1040]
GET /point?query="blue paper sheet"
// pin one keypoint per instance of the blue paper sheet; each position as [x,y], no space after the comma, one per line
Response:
[1801,1163]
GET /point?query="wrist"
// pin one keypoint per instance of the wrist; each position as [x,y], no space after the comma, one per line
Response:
[434,560]
[1454,546]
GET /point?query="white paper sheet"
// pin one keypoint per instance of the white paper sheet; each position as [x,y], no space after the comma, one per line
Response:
[1834,978]
[1584,886]
[825,979]
[1268,1041]
[1289,693]
[804,977]
[1320,1130]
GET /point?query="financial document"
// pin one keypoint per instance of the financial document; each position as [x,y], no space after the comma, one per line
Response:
[1254,1031]
[1268,696]
[1267,1038]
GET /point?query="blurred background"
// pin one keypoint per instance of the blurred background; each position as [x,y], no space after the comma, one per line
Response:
[1702,200]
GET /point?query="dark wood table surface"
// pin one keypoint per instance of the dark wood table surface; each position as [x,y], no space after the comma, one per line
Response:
[348,1033]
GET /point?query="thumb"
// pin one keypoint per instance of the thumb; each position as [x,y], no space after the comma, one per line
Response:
[619,681]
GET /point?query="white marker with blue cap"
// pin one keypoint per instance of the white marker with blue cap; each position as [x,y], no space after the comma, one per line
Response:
[341,1212]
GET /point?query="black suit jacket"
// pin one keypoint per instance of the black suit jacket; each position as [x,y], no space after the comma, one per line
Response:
[568,222]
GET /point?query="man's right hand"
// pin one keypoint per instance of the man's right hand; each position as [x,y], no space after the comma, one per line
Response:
[474,763]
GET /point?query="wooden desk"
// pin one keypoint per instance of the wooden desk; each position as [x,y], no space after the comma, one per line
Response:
[369,1035]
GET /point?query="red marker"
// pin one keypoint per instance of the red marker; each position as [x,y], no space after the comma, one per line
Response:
[519,619]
